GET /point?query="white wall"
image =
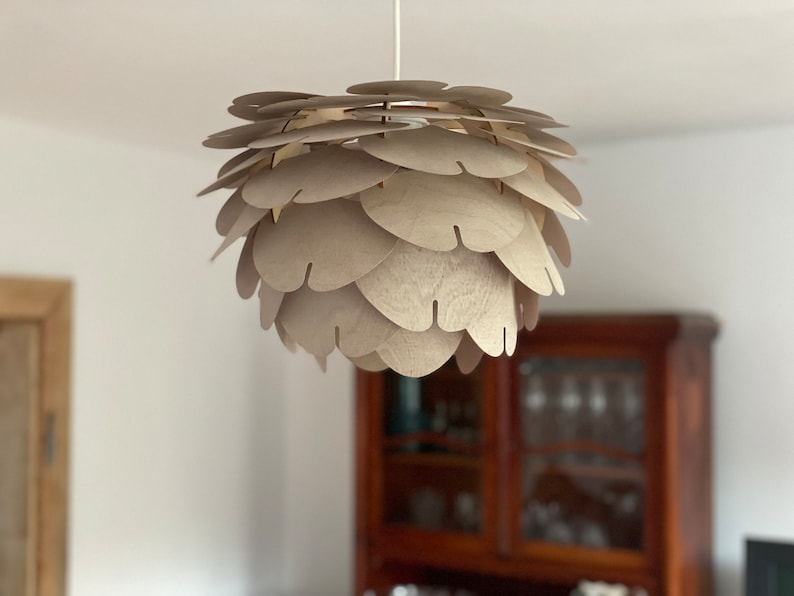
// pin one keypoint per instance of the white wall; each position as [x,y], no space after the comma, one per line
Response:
[178,398]
[703,222]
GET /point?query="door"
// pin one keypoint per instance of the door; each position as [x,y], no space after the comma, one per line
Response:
[34,388]
[18,401]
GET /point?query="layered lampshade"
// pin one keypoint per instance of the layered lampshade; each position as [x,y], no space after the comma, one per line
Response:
[403,223]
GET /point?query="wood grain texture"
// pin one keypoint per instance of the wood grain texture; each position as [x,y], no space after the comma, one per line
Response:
[533,185]
[426,210]
[416,287]
[326,173]
[47,304]
[416,354]
[560,182]
[556,238]
[335,237]
[19,390]
[527,302]
[529,260]
[436,150]
[317,321]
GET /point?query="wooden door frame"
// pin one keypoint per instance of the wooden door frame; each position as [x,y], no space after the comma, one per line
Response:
[47,303]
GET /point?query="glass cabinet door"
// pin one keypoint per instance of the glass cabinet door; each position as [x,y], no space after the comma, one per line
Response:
[582,447]
[432,451]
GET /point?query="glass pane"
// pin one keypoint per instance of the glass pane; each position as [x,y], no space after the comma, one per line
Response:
[432,451]
[583,443]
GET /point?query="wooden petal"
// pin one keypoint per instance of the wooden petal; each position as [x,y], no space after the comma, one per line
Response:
[419,112]
[266,98]
[239,170]
[329,101]
[371,362]
[531,184]
[438,151]
[246,112]
[527,301]
[288,342]
[335,237]
[236,161]
[413,354]
[495,331]
[323,174]
[269,305]
[460,285]
[426,210]
[315,319]
[481,95]
[247,275]
[230,212]
[337,130]
[247,219]
[509,113]
[257,129]
[418,88]
[550,143]
[529,260]
[558,180]
[511,138]
[240,136]
[468,355]
[557,239]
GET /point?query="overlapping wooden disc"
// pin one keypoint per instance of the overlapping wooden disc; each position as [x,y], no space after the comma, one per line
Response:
[247,218]
[430,211]
[436,150]
[269,304]
[314,177]
[337,130]
[527,310]
[247,275]
[528,258]
[416,354]
[319,321]
[416,287]
[533,185]
[335,237]
[468,354]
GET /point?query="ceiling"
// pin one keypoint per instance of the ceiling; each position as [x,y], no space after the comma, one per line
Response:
[162,72]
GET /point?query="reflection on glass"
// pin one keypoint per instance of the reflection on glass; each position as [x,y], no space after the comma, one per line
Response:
[534,419]
[586,510]
[432,453]
[583,431]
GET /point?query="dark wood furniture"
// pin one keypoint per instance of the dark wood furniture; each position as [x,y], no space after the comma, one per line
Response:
[585,455]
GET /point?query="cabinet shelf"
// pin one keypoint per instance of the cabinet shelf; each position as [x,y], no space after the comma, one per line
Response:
[594,447]
[433,460]
[430,438]
[588,471]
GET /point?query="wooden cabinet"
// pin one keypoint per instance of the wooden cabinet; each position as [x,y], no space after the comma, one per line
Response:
[585,455]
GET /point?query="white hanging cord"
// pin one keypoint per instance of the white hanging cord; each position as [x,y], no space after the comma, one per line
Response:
[397,40]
